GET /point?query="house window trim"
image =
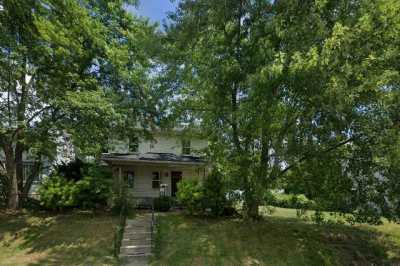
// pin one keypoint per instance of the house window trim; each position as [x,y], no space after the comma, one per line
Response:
[133,145]
[155,183]
[130,183]
[186,147]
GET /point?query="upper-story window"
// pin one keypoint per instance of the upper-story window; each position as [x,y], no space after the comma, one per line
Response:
[133,144]
[186,147]
[152,144]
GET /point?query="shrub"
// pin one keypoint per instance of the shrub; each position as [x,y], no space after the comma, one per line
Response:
[214,194]
[162,204]
[91,191]
[57,193]
[71,171]
[190,195]
[208,197]
[289,201]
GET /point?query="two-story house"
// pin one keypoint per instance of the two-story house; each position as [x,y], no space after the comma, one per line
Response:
[155,167]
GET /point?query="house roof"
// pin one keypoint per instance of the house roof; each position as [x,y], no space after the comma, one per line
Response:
[152,157]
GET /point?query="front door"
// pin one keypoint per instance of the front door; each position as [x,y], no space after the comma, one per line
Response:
[176,177]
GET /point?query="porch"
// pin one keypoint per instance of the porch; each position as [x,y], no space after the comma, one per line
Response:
[152,175]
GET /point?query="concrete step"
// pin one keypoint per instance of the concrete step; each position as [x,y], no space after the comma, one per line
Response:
[141,237]
[135,243]
[136,246]
[135,250]
[137,227]
[138,221]
[134,233]
[145,241]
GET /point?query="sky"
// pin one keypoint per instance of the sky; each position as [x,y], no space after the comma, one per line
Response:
[154,9]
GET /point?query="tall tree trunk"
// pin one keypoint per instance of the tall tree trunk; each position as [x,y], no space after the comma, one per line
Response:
[13,195]
[252,209]
[19,135]
[19,165]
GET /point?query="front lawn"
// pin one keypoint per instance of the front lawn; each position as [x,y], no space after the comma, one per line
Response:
[280,239]
[71,239]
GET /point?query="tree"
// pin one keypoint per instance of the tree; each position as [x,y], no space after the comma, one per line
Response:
[292,87]
[67,66]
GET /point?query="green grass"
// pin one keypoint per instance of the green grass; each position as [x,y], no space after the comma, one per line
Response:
[279,239]
[71,239]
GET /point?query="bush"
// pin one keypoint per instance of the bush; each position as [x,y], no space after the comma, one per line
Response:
[71,171]
[162,204]
[91,191]
[209,197]
[289,201]
[190,195]
[57,193]
[214,194]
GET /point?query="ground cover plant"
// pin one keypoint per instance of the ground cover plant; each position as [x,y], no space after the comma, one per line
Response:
[279,239]
[68,239]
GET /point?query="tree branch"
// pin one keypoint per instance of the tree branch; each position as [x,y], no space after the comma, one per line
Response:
[36,114]
[308,156]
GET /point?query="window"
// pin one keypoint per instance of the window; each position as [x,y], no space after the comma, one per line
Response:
[156,180]
[28,170]
[186,147]
[130,179]
[152,144]
[133,144]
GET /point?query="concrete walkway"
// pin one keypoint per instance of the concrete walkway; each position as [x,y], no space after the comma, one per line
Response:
[137,243]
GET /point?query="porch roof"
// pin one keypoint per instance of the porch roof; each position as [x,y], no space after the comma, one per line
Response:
[152,157]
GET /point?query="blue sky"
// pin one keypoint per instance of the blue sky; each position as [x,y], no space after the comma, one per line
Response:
[154,9]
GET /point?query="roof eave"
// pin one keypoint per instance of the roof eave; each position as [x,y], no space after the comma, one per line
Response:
[111,160]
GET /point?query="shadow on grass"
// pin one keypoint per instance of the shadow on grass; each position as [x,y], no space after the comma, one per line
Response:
[274,241]
[72,239]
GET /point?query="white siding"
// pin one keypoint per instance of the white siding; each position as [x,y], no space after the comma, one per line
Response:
[143,177]
[161,144]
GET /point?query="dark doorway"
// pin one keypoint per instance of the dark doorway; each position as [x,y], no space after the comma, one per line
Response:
[176,177]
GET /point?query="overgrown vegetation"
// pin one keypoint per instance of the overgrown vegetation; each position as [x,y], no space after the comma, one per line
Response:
[76,185]
[292,201]
[206,197]
[163,203]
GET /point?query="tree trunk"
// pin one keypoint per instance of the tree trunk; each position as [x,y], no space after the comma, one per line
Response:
[252,211]
[251,207]
[13,195]
[19,166]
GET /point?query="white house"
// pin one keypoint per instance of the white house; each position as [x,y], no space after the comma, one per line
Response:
[154,168]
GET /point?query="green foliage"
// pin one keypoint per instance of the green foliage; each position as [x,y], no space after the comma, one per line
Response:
[214,193]
[207,197]
[77,67]
[58,192]
[162,204]
[191,195]
[289,201]
[71,171]
[305,88]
